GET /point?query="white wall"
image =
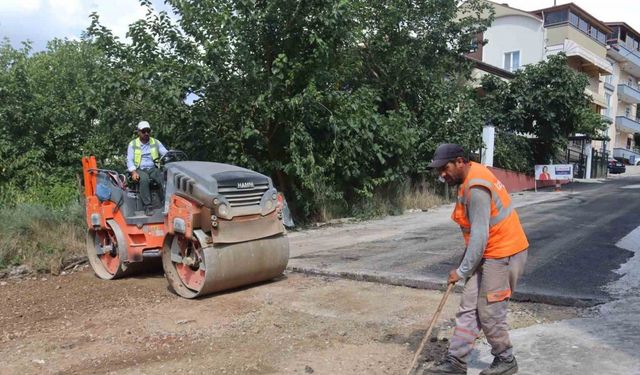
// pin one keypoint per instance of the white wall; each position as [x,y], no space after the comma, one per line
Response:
[613,134]
[514,33]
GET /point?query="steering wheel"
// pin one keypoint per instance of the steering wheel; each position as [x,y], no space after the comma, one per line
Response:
[173,155]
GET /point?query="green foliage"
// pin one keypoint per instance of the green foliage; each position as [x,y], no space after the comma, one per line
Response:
[545,100]
[332,99]
[49,193]
[336,100]
[513,152]
[47,119]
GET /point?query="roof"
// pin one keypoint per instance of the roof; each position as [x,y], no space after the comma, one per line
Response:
[579,11]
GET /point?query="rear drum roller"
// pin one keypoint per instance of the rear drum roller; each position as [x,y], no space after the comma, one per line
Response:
[194,270]
[103,252]
[104,247]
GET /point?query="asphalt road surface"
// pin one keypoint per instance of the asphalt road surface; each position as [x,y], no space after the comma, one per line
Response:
[572,237]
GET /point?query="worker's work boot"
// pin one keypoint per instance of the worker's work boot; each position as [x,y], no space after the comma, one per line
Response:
[450,365]
[148,210]
[501,366]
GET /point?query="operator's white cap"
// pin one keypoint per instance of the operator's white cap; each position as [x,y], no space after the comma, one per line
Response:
[143,125]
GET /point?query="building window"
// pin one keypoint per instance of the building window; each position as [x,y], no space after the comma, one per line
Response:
[602,38]
[559,16]
[627,111]
[512,61]
[587,28]
[474,46]
[609,79]
[573,19]
[607,99]
[583,25]
[615,33]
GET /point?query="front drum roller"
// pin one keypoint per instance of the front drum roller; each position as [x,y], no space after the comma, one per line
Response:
[193,270]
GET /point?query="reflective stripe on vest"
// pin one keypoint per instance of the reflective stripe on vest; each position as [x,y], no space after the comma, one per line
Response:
[137,150]
[506,236]
[503,212]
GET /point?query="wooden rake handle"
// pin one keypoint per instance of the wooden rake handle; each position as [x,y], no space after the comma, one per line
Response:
[434,319]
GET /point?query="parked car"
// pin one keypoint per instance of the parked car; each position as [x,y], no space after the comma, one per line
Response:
[615,166]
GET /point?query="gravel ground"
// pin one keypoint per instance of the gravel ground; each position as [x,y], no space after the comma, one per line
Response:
[297,324]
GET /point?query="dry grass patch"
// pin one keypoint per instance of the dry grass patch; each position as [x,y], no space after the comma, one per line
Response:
[40,237]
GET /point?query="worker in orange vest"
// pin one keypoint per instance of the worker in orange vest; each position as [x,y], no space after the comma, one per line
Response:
[496,252]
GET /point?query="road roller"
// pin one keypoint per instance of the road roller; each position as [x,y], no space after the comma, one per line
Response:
[213,226]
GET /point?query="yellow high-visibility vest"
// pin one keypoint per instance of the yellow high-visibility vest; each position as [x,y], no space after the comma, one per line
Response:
[137,150]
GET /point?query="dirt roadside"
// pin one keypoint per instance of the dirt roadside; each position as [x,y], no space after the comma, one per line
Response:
[78,324]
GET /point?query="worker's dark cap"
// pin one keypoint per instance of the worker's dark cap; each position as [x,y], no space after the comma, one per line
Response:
[444,154]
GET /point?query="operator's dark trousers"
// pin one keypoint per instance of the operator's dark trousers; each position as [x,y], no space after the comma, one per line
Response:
[146,175]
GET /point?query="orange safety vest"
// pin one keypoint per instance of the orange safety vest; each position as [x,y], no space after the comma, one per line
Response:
[506,236]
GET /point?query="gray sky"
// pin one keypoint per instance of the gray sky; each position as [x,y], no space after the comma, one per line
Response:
[43,20]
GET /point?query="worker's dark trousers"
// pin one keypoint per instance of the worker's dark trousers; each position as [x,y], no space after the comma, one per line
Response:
[483,306]
[146,175]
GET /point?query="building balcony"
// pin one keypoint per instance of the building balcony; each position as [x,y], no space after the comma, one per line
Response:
[628,58]
[628,94]
[596,98]
[590,62]
[627,125]
[630,156]
[609,86]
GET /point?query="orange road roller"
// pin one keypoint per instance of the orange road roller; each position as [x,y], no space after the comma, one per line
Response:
[214,226]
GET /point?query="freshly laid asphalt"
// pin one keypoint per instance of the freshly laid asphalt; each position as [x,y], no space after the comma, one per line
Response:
[572,236]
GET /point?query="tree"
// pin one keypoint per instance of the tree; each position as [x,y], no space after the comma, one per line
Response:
[47,112]
[333,99]
[545,100]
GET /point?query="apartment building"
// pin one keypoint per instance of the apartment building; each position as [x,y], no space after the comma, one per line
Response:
[583,38]
[622,91]
[517,38]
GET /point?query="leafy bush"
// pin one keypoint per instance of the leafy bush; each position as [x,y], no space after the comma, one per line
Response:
[513,152]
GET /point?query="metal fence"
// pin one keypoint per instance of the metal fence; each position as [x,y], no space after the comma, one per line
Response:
[579,160]
[599,164]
